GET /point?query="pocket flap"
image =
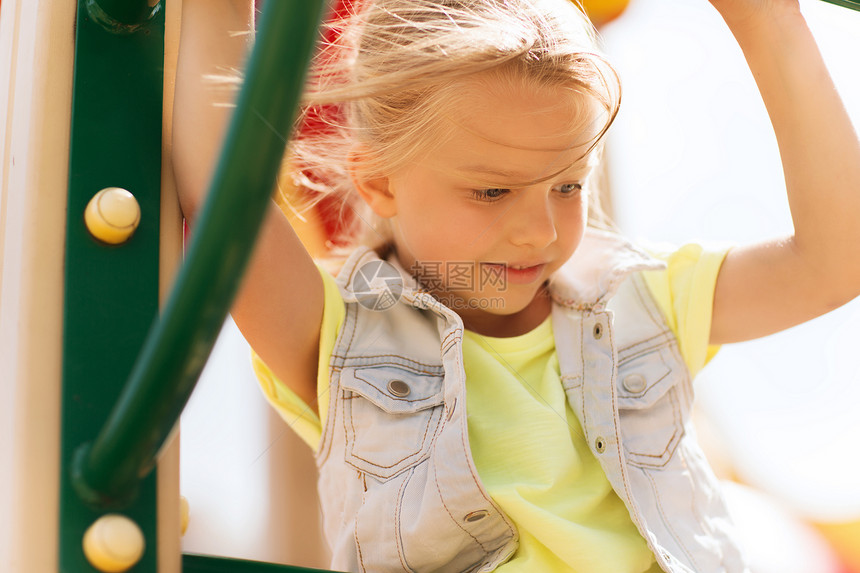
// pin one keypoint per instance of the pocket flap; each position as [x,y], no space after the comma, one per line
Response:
[645,378]
[393,389]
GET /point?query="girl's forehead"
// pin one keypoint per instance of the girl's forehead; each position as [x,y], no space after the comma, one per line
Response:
[514,114]
[515,129]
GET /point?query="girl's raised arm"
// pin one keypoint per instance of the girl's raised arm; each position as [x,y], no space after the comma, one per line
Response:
[768,287]
[280,303]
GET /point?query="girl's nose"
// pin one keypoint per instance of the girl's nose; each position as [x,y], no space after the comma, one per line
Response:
[533,221]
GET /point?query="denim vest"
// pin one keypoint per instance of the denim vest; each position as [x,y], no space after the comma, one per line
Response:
[398,486]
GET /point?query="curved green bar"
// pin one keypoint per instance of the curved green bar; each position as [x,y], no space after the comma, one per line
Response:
[107,471]
[853,4]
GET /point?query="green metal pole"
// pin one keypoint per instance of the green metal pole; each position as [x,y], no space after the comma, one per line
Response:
[177,347]
[123,16]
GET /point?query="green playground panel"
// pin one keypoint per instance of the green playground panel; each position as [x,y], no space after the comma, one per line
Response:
[111,292]
[192,563]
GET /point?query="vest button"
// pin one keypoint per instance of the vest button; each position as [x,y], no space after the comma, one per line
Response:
[634,383]
[399,388]
[600,444]
[598,331]
[476,515]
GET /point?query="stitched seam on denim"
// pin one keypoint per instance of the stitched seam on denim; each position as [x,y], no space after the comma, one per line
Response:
[582,412]
[630,396]
[398,539]
[457,339]
[395,399]
[355,532]
[408,459]
[692,509]
[647,299]
[684,372]
[668,522]
[348,424]
[392,360]
[376,367]
[395,360]
[569,382]
[625,481]
[663,333]
[467,452]
[649,304]
[634,351]
[353,330]
[351,442]
[448,511]
[671,444]
[335,370]
[446,339]
[645,352]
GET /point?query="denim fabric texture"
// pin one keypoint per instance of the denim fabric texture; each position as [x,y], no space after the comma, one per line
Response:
[398,485]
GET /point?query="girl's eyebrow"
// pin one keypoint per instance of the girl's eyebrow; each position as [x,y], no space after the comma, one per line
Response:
[485,170]
[517,176]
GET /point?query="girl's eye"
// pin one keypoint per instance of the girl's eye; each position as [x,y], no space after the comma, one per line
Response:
[489,194]
[569,188]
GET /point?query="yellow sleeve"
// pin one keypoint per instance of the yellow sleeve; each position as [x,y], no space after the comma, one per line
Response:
[295,412]
[685,293]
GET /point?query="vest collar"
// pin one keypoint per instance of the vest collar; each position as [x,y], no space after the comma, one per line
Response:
[598,267]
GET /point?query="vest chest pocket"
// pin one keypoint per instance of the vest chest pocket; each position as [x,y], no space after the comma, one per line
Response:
[650,404]
[391,415]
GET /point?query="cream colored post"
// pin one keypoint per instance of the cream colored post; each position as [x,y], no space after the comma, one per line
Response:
[36,63]
[36,49]
[169,534]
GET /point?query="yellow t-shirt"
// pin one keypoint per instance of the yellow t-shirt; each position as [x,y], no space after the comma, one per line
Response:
[526,442]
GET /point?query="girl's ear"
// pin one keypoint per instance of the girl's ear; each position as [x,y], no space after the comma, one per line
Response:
[375,190]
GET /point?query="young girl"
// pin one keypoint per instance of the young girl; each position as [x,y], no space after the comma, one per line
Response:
[492,382]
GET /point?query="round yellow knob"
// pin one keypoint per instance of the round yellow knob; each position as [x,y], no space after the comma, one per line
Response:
[112,215]
[184,514]
[113,544]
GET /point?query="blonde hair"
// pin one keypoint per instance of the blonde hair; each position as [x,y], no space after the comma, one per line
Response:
[392,68]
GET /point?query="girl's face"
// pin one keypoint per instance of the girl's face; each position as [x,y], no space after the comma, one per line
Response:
[485,219]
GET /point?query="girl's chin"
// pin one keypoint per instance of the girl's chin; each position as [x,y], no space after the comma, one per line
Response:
[503,316]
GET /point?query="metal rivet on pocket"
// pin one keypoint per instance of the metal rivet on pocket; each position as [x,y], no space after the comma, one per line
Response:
[634,383]
[600,444]
[476,515]
[399,388]
[598,330]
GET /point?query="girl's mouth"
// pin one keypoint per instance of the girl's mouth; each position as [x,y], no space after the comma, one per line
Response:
[515,274]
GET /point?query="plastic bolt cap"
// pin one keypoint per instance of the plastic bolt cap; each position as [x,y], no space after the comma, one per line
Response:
[112,215]
[113,543]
